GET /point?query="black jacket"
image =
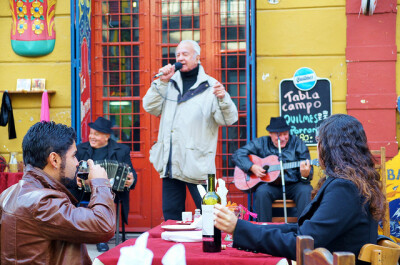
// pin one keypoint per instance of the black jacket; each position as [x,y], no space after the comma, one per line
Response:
[118,152]
[7,116]
[295,150]
[336,218]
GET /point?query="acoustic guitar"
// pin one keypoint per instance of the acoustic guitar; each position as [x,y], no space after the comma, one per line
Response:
[272,167]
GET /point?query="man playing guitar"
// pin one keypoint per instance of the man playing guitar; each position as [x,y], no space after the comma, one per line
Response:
[297,179]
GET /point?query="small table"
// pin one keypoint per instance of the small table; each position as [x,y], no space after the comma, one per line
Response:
[8,179]
[194,252]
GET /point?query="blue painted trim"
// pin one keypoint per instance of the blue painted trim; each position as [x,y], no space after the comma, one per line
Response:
[75,83]
[251,125]
[248,72]
[253,73]
[73,65]
[77,70]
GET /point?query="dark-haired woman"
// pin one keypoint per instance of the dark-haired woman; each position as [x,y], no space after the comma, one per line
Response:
[346,209]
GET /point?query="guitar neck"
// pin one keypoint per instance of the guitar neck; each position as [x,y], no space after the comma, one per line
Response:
[291,164]
[287,165]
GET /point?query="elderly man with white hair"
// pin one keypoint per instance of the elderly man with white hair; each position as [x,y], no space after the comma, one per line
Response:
[192,106]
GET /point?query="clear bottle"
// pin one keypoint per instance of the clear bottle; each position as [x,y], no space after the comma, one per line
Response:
[13,164]
[197,214]
[211,234]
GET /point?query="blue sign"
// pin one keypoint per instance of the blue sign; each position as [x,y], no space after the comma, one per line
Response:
[304,78]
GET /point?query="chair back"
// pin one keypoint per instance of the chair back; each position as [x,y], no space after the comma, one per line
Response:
[380,255]
[381,167]
[307,255]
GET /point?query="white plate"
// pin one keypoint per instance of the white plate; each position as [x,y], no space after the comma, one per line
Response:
[178,227]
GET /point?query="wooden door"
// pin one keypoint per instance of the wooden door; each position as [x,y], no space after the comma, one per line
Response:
[131,40]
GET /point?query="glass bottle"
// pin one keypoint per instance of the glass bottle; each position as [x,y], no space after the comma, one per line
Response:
[211,234]
[197,214]
[13,164]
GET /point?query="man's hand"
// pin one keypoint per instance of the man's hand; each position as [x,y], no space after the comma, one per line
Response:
[96,171]
[305,168]
[225,219]
[129,180]
[258,171]
[219,90]
[168,71]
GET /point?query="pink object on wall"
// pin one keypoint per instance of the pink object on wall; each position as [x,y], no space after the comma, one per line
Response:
[45,112]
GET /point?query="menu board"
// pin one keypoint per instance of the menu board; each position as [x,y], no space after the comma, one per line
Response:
[305,110]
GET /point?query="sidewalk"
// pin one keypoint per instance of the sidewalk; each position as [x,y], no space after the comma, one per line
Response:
[92,249]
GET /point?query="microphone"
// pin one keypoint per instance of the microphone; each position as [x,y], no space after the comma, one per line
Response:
[178,66]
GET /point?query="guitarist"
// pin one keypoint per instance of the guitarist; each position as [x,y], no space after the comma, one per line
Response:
[297,180]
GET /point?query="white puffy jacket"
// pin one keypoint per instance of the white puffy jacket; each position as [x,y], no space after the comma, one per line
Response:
[190,123]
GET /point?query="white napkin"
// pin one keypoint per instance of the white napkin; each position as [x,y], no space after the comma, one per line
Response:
[201,190]
[198,223]
[182,236]
[222,191]
[175,255]
[137,254]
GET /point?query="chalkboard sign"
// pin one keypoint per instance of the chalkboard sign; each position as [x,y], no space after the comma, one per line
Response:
[305,110]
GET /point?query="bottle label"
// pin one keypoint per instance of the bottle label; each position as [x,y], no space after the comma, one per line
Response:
[208,220]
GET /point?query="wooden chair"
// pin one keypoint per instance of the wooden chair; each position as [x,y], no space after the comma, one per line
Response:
[279,204]
[386,253]
[382,170]
[307,255]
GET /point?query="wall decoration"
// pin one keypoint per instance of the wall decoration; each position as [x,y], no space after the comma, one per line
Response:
[84,67]
[23,85]
[32,29]
[38,84]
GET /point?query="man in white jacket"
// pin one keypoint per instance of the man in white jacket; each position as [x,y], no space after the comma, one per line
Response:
[192,106]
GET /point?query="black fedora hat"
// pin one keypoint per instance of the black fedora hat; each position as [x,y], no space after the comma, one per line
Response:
[101,125]
[278,124]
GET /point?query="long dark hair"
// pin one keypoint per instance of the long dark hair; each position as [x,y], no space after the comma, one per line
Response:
[344,153]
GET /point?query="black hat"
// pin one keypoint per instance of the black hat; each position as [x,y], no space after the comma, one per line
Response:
[278,124]
[101,125]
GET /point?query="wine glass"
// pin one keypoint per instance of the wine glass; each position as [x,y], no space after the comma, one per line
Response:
[236,211]
[82,172]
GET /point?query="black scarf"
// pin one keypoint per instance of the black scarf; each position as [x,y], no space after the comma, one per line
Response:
[7,116]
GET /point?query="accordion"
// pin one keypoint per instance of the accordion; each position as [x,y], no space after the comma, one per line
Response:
[117,174]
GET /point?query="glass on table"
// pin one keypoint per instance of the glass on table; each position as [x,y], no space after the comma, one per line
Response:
[236,211]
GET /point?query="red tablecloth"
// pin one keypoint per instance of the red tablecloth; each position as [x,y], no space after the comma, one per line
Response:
[8,179]
[194,252]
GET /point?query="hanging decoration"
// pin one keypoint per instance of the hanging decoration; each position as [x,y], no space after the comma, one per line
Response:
[32,29]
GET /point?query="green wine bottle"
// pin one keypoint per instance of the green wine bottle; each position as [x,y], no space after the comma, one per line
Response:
[211,234]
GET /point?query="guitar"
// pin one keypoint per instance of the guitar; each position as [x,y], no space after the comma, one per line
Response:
[272,167]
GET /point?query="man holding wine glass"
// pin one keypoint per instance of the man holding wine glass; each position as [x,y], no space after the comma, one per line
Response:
[99,147]
[297,180]
[39,221]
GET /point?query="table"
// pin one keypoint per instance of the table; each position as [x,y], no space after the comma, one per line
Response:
[8,179]
[194,252]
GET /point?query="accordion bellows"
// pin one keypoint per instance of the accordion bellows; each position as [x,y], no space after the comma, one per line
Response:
[117,173]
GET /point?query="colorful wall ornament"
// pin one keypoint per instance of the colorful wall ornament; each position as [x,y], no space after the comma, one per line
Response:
[32,29]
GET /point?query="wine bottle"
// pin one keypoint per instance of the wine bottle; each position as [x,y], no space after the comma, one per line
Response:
[211,234]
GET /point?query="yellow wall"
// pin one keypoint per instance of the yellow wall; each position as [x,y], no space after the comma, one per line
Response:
[55,68]
[294,34]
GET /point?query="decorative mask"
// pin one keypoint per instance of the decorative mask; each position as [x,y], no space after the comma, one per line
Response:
[32,29]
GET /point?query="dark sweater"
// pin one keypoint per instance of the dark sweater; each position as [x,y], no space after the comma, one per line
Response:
[189,78]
